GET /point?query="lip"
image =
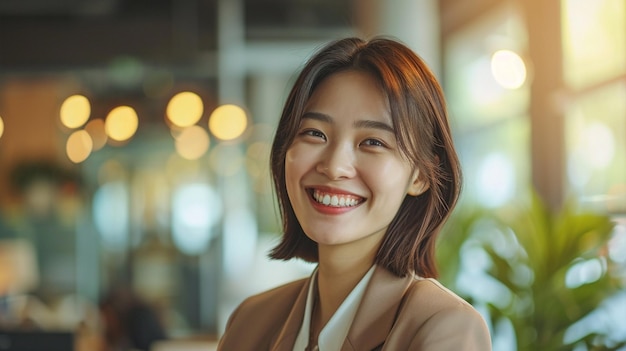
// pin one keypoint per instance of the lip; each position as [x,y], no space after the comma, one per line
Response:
[331,210]
[329,189]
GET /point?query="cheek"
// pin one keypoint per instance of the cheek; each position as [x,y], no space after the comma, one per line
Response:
[296,165]
[291,165]
[298,161]
[388,177]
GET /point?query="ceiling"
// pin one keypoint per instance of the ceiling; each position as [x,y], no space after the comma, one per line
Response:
[51,35]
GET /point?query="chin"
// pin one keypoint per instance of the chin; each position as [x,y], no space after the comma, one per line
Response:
[326,240]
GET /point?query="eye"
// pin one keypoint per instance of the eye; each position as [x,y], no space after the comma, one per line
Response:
[373,142]
[313,133]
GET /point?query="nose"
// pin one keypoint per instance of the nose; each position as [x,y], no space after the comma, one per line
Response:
[338,162]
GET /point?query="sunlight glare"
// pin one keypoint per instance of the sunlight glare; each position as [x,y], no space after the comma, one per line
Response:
[508,69]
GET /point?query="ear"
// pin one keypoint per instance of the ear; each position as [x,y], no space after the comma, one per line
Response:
[417,186]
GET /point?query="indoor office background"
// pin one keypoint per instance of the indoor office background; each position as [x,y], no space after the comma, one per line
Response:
[135,135]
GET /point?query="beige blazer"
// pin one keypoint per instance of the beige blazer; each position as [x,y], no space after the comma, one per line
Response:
[395,314]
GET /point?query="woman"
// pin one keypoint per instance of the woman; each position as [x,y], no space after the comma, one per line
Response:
[366,174]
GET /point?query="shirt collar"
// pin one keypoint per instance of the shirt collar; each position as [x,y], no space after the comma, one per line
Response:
[335,331]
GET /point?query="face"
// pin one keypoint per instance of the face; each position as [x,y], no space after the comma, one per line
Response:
[345,175]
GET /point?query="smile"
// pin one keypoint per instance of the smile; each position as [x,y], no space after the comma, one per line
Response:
[336,200]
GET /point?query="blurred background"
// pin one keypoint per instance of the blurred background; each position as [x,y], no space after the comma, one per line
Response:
[136,209]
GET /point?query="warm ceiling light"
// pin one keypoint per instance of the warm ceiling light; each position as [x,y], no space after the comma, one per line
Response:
[185,109]
[95,128]
[79,146]
[192,142]
[228,122]
[75,111]
[121,123]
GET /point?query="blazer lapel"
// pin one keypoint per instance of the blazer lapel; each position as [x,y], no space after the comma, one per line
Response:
[377,312]
[285,340]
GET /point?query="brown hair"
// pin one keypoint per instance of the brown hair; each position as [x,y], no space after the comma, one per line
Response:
[420,121]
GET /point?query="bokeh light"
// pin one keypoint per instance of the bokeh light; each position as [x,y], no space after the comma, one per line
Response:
[496,180]
[95,128]
[598,145]
[240,241]
[508,69]
[121,123]
[192,142]
[228,122]
[79,146]
[1,126]
[111,214]
[75,111]
[185,109]
[196,208]
[585,272]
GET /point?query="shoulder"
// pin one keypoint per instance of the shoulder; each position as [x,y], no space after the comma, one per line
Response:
[439,296]
[441,319]
[272,300]
[259,318]
[431,298]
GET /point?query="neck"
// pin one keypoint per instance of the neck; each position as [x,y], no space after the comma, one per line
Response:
[338,273]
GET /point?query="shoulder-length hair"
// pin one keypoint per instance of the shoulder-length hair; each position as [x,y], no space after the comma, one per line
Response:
[420,121]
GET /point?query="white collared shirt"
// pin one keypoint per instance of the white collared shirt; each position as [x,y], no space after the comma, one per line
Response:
[336,330]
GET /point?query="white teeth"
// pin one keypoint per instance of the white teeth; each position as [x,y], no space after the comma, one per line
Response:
[326,199]
[335,200]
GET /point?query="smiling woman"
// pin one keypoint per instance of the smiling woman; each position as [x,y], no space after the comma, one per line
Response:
[366,174]
[346,149]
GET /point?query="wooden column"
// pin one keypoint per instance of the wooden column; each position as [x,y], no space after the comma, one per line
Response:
[29,108]
[543,22]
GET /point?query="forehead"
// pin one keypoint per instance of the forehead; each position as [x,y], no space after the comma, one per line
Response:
[350,93]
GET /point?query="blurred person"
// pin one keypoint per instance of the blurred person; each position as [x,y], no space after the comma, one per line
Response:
[366,174]
[129,322]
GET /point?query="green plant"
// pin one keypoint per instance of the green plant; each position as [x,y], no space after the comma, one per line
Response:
[533,255]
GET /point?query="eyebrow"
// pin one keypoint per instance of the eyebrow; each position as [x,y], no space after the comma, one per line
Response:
[368,124]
